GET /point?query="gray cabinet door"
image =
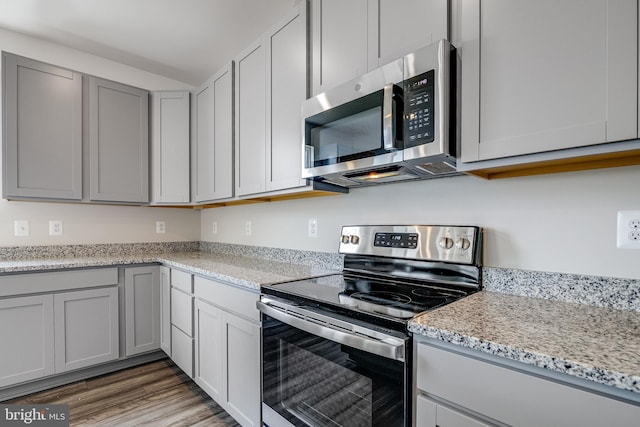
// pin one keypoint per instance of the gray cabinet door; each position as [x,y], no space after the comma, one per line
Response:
[26,334]
[287,88]
[207,372]
[86,328]
[405,27]
[142,309]
[213,138]
[118,142]
[527,91]
[340,32]
[241,369]
[165,310]
[42,130]
[250,85]
[170,147]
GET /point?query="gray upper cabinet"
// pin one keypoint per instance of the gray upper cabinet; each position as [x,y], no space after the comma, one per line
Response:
[42,138]
[547,75]
[170,147]
[351,38]
[118,142]
[287,88]
[250,123]
[271,84]
[212,149]
[404,27]
[339,36]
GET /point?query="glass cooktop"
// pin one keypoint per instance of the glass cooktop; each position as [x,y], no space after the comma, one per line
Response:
[392,299]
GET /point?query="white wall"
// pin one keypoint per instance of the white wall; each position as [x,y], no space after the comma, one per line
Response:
[83,223]
[558,223]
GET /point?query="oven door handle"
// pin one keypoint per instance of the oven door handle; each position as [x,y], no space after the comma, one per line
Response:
[389,349]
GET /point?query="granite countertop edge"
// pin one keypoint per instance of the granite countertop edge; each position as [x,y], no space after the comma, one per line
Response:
[191,262]
[552,362]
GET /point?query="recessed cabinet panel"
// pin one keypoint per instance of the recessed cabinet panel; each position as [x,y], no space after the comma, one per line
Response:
[573,84]
[43,130]
[241,364]
[208,348]
[250,121]
[118,142]
[26,334]
[212,154]
[287,89]
[86,328]
[142,309]
[170,147]
[407,26]
[340,31]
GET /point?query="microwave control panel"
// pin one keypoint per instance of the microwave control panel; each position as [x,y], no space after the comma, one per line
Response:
[419,109]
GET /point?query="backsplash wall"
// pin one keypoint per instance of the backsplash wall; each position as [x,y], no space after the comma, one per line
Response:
[563,223]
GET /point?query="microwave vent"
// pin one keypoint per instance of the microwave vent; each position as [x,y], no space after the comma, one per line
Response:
[437,168]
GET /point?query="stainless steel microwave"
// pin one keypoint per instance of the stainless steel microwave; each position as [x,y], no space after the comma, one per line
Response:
[394,123]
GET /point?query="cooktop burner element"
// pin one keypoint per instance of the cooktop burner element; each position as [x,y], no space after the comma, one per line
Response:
[389,283]
[381,298]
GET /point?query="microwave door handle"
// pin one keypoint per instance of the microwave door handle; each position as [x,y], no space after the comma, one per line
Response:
[388,138]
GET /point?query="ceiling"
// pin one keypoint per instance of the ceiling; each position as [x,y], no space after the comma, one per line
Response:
[186,40]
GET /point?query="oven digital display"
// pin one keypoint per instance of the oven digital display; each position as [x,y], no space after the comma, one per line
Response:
[396,240]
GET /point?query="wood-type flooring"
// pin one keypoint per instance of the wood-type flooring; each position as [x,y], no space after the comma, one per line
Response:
[156,394]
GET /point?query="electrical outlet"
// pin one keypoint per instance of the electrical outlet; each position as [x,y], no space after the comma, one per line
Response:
[21,227]
[628,235]
[55,228]
[161,227]
[214,227]
[247,228]
[313,227]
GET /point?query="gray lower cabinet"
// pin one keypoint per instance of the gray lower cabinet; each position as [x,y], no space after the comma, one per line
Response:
[26,334]
[142,309]
[86,328]
[458,390]
[227,343]
[42,130]
[165,310]
[182,320]
[118,142]
[208,345]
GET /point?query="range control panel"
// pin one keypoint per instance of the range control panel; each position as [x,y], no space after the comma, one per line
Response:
[457,244]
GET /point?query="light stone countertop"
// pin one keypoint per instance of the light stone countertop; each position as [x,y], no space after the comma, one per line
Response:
[245,272]
[594,343]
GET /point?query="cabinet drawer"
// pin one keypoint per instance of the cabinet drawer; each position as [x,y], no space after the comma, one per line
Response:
[29,283]
[514,398]
[181,311]
[228,297]
[182,281]
[182,350]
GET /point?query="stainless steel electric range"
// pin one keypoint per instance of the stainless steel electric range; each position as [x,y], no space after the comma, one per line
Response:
[335,349]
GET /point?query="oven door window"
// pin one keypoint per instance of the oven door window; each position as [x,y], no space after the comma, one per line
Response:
[311,381]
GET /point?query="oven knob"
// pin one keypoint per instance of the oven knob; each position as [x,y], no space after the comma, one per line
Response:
[445,243]
[463,243]
[355,239]
[345,238]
